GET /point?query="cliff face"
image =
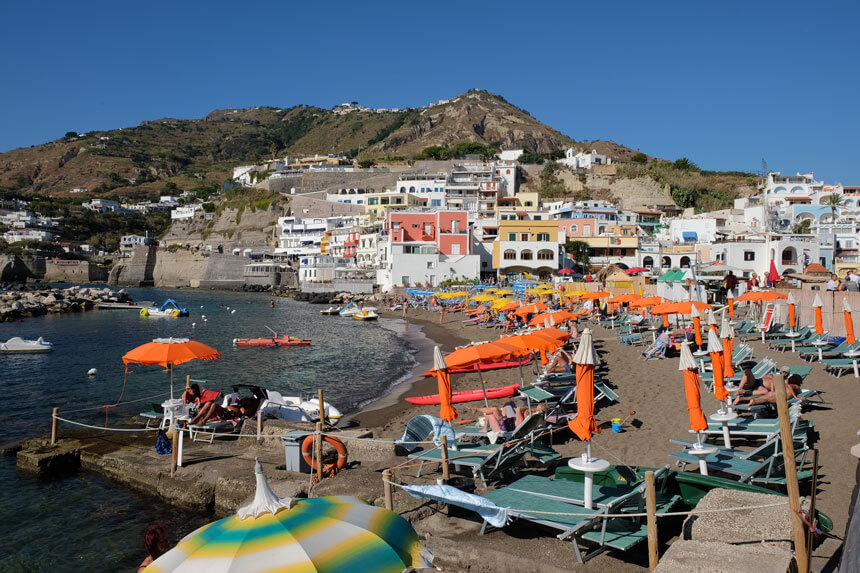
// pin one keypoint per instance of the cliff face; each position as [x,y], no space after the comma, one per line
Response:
[182,268]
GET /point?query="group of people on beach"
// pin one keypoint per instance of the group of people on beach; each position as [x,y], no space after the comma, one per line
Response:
[208,405]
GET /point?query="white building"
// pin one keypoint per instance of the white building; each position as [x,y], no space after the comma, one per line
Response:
[185,213]
[367,254]
[320,268]
[510,154]
[790,253]
[104,206]
[348,195]
[583,160]
[302,236]
[430,187]
[409,264]
[129,242]
[17,235]
[692,231]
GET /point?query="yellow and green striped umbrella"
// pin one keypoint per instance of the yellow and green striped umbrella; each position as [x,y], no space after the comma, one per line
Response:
[322,534]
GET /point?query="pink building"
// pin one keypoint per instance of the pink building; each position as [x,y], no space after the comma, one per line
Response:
[578,227]
[448,230]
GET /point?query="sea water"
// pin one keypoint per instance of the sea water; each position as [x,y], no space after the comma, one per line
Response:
[85,522]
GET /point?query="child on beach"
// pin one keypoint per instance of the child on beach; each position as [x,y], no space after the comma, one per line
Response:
[156,543]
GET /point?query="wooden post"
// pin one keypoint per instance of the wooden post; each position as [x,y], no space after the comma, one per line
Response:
[259,425]
[322,406]
[810,538]
[791,474]
[387,476]
[174,455]
[651,509]
[54,426]
[188,381]
[318,448]
[446,472]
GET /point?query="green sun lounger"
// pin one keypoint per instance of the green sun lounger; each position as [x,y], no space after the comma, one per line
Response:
[417,430]
[805,334]
[812,353]
[838,366]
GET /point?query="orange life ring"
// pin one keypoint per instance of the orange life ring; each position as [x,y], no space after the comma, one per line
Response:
[307,448]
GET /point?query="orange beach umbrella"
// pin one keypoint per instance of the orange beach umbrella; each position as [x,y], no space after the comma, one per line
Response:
[849,322]
[558,316]
[697,324]
[792,312]
[443,380]
[646,302]
[511,306]
[594,295]
[816,305]
[484,353]
[688,366]
[584,425]
[169,352]
[759,295]
[727,334]
[534,343]
[683,307]
[530,309]
[715,349]
[622,298]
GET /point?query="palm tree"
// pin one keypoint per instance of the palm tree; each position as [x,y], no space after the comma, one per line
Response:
[834,201]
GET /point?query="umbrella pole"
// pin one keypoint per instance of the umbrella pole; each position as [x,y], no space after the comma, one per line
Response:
[170,367]
[483,386]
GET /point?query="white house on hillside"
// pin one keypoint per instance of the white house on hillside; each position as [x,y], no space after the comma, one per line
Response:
[582,160]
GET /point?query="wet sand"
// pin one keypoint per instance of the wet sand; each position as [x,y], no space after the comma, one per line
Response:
[654,390]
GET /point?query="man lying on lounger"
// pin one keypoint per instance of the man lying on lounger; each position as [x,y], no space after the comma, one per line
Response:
[241,408]
[765,393]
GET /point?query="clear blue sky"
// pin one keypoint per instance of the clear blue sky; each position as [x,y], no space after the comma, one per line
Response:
[723,83]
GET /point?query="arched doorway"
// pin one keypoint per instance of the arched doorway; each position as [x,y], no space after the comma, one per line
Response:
[685,262]
[666,263]
[648,262]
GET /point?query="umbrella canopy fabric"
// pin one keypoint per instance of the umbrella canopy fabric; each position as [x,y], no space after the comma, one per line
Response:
[583,425]
[792,312]
[337,533]
[730,302]
[772,275]
[552,333]
[849,322]
[622,298]
[647,302]
[688,366]
[757,295]
[595,295]
[170,351]
[817,303]
[483,298]
[727,334]
[511,306]
[530,309]
[533,341]
[684,307]
[566,271]
[559,316]
[636,270]
[485,353]
[443,380]
[697,324]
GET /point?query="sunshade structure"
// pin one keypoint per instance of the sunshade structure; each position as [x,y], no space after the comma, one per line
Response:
[697,324]
[511,306]
[483,298]
[594,295]
[528,309]
[485,353]
[759,295]
[583,425]
[622,298]
[646,302]
[560,316]
[321,534]
[792,312]
[684,307]
[727,335]
[443,380]
[730,302]
[816,306]
[535,343]
[849,322]
[672,276]
[636,270]
[503,292]
[169,352]
[772,275]
[688,366]
[715,349]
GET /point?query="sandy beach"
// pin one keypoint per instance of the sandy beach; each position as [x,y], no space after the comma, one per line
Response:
[653,389]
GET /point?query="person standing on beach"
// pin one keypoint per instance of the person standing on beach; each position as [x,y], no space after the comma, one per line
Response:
[731,282]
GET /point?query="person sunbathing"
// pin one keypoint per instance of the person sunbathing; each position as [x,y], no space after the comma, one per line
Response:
[498,422]
[769,396]
[752,385]
[561,363]
[241,408]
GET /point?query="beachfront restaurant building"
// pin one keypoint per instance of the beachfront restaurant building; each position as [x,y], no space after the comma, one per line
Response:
[526,246]
[790,253]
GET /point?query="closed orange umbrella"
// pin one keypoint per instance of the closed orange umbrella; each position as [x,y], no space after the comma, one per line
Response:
[584,425]
[792,312]
[715,349]
[758,295]
[730,300]
[169,352]
[688,366]
[849,322]
[727,333]
[443,380]
[712,322]
[817,304]
[697,324]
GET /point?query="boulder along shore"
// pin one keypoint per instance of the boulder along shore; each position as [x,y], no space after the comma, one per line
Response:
[19,300]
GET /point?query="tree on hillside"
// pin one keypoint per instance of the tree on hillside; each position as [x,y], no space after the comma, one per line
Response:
[833,201]
[640,158]
[435,152]
[578,251]
[550,184]
[273,149]
[531,158]
[685,164]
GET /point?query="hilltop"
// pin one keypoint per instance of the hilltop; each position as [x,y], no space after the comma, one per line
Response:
[136,162]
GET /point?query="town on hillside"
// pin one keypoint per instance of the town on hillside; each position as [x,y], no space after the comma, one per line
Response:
[434,223]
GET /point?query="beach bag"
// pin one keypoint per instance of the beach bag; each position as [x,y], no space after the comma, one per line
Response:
[162,443]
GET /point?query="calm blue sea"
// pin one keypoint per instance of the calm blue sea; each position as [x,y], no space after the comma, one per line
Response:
[85,522]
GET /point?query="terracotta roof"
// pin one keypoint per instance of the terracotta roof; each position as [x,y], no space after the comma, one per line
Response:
[798,198]
[815,268]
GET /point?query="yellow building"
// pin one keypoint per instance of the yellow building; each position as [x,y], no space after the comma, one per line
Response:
[378,204]
[526,246]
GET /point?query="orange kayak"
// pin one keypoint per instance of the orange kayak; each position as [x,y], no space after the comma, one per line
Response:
[467,395]
[279,341]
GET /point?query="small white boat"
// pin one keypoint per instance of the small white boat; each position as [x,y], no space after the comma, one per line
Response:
[18,344]
[366,314]
[352,308]
[332,310]
[291,408]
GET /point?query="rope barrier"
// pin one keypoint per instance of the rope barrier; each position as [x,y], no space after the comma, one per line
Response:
[126,402]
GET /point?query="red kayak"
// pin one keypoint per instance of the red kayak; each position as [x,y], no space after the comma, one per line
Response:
[484,368]
[278,341]
[467,395]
